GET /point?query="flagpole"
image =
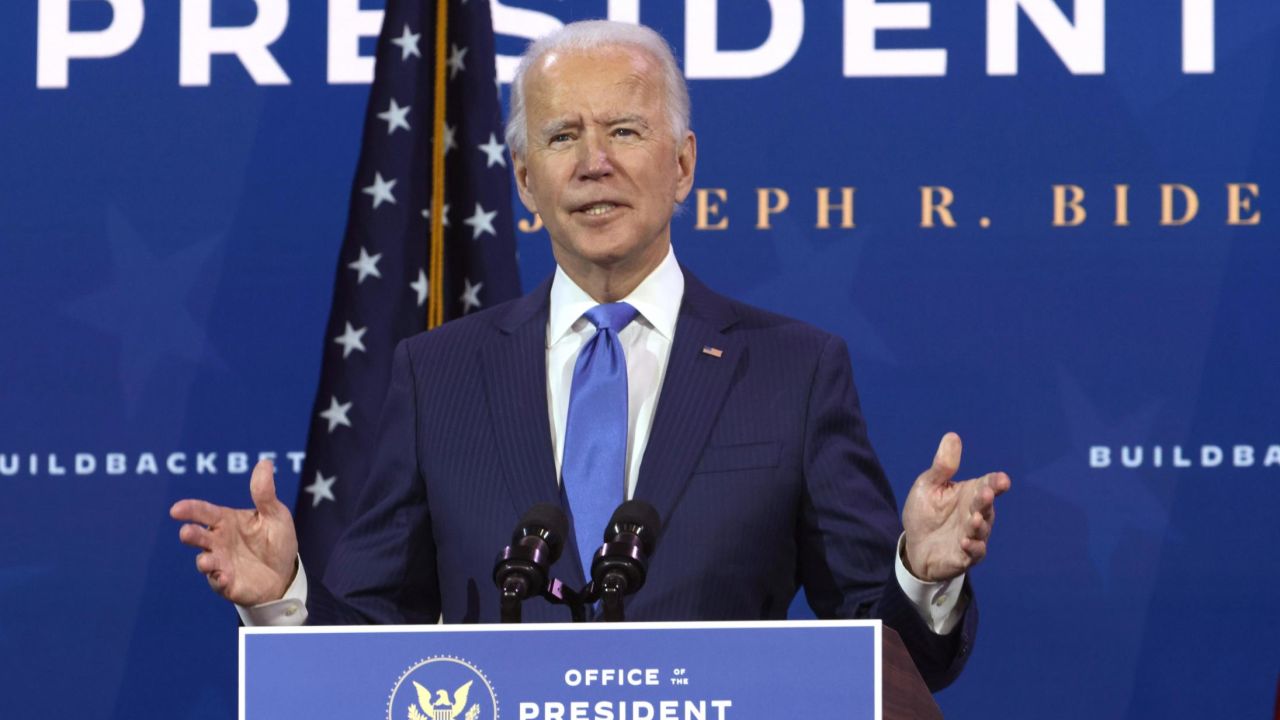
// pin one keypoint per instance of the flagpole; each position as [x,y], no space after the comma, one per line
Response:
[435,296]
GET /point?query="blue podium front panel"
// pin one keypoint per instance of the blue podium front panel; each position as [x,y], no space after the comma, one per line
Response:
[634,671]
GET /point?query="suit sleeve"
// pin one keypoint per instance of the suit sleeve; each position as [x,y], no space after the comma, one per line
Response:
[383,570]
[849,526]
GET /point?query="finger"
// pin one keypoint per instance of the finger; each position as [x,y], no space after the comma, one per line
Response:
[197,511]
[946,460]
[979,528]
[999,483]
[984,499]
[974,549]
[208,563]
[196,536]
[219,581]
[262,487]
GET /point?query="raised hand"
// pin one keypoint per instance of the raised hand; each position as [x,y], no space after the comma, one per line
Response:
[948,523]
[249,556]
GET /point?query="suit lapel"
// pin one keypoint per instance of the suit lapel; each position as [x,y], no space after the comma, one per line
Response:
[515,375]
[693,392]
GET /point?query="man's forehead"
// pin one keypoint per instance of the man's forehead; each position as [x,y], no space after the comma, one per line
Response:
[620,64]
[608,81]
[591,54]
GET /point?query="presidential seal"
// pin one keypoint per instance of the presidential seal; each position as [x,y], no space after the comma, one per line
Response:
[442,688]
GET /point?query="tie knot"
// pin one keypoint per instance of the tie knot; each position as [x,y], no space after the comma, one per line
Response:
[611,316]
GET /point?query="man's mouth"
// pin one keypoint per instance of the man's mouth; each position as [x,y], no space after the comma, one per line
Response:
[597,209]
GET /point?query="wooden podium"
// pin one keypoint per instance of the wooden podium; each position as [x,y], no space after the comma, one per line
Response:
[905,695]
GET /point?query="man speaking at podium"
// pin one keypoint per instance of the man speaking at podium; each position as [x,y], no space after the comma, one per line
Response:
[622,376]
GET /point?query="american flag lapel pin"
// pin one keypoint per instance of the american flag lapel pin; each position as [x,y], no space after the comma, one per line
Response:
[713,352]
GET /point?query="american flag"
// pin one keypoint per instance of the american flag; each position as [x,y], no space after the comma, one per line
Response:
[429,238]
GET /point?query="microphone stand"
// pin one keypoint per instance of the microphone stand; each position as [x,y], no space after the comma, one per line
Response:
[619,567]
[610,591]
[509,602]
[557,593]
[522,569]
[615,579]
[515,590]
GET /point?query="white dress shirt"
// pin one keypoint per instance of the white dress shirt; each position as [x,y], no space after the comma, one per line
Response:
[646,343]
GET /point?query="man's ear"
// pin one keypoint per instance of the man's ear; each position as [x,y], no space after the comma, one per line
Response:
[686,161]
[521,170]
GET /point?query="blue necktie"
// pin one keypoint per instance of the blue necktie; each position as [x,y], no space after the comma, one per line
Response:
[594,468]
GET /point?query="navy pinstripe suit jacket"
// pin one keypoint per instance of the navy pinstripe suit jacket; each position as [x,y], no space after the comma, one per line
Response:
[758,464]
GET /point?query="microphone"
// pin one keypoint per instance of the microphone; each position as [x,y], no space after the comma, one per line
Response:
[620,565]
[523,568]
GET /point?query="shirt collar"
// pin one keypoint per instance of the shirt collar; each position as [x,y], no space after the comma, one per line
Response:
[657,298]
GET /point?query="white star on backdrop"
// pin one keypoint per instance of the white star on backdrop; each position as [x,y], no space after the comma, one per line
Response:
[481,222]
[337,413]
[365,266]
[449,142]
[455,63]
[444,220]
[396,117]
[420,287]
[470,297]
[408,43]
[380,190]
[321,489]
[350,340]
[494,151]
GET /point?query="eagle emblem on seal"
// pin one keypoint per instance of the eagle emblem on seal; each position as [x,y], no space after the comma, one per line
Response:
[442,707]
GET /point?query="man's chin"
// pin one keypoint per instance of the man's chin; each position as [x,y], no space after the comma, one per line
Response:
[609,261]
[602,249]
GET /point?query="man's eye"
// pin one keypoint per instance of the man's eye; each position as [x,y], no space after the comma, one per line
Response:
[624,132]
[561,137]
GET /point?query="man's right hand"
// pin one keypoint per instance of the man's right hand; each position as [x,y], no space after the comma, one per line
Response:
[249,556]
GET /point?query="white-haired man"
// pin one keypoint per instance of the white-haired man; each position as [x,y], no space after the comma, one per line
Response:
[741,428]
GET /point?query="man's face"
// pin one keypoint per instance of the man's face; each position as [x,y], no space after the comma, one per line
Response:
[602,166]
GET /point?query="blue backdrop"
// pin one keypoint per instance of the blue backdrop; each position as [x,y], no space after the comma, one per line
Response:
[170,225]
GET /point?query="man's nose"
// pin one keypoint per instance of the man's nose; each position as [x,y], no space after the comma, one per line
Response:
[595,161]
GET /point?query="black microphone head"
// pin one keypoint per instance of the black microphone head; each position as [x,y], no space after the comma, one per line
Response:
[547,521]
[637,517]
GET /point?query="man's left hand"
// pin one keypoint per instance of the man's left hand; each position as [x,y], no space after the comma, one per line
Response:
[948,523]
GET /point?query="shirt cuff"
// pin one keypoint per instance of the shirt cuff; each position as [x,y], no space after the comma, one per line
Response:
[939,603]
[288,611]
